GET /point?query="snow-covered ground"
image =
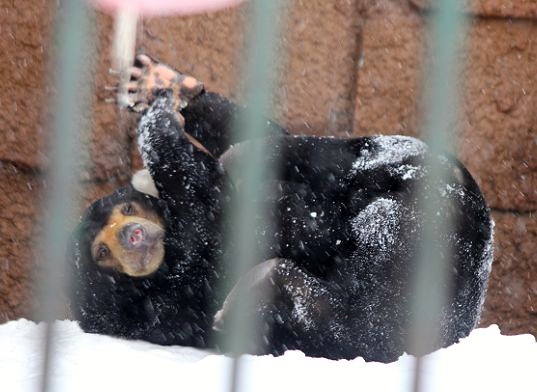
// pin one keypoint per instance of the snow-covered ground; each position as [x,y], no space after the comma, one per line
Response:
[485,361]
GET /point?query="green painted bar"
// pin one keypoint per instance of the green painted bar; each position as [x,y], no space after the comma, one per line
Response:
[71,66]
[259,67]
[448,27]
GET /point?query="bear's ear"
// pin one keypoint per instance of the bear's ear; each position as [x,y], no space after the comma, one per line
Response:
[143,182]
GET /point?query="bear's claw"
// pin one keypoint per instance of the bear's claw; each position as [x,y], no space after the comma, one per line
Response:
[147,77]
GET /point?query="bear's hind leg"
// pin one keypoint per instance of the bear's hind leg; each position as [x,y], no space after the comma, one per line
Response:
[296,309]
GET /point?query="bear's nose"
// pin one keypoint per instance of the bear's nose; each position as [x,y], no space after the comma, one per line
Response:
[132,235]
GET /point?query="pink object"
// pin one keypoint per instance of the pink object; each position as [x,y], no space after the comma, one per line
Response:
[163,7]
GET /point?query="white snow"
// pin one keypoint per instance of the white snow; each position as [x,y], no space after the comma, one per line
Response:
[409,172]
[453,190]
[389,150]
[378,223]
[485,361]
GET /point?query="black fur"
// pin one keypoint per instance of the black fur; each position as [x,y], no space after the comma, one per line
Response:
[347,224]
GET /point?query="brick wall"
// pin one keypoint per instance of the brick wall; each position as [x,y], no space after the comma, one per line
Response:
[352,67]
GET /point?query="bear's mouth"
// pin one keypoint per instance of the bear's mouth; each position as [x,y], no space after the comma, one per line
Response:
[143,250]
[150,257]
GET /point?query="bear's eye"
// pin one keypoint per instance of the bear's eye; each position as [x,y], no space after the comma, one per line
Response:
[128,209]
[102,252]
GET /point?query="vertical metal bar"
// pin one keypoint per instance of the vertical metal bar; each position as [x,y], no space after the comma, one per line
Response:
[429,295]
[260,65]
[71,65]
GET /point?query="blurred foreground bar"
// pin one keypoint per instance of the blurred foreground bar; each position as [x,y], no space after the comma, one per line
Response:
[72,91]
[430,289]
[259,70]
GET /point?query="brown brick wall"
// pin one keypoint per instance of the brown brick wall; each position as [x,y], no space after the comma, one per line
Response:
[22,71]
[351,67]
[523,9]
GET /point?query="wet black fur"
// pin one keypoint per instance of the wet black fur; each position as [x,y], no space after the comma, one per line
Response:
[353,293]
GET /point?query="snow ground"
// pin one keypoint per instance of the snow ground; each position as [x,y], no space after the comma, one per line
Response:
[485,361]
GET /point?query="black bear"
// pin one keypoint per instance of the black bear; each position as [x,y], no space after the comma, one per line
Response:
[340,252]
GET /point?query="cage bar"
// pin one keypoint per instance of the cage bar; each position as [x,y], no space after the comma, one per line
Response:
[448,25]
[71,72]
[259,65]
